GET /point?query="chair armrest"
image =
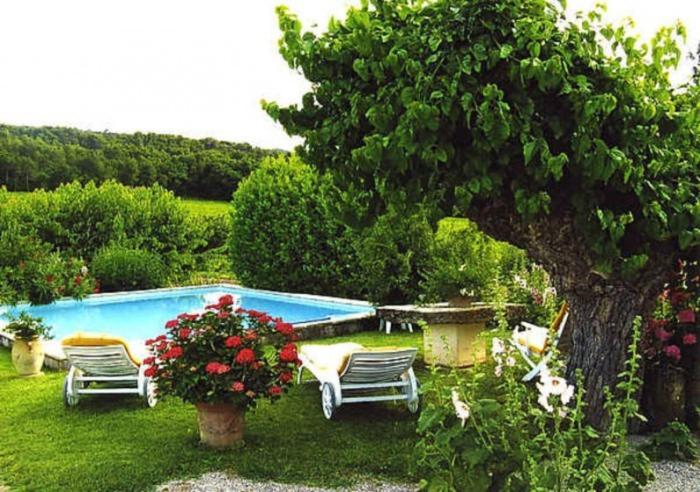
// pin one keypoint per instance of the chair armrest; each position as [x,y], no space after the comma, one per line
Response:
[525,324]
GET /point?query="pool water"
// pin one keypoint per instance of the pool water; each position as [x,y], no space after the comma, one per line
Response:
[142,315]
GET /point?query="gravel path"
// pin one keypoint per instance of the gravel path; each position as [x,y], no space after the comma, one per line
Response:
[671,476]
[675,476]
[220,482]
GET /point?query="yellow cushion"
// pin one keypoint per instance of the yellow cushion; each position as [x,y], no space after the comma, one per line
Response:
[332,357]
[534,339]
[82,339]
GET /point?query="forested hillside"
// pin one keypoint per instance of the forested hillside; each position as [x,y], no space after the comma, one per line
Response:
[44,157]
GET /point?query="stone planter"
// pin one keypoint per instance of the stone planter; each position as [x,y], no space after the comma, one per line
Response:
[221,425]
[461,301]
[28,357]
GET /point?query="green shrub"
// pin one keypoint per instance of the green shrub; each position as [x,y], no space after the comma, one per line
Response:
[391,255]
[673,442]
[284,235]
[117,268]
[462,259]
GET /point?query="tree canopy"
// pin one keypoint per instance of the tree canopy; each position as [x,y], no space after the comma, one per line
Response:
[508,111]
[46,157]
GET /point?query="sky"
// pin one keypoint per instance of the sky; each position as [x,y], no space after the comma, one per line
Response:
[194,68]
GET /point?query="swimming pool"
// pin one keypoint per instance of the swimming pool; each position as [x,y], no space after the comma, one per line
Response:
[141,315]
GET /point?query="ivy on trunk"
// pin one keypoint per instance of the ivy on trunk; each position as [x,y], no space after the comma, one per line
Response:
[564,137]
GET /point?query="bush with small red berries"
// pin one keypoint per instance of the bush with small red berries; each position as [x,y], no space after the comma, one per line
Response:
[224,355]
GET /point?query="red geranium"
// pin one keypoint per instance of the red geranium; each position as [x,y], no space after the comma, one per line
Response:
[225,300]
[286,377]
[233,342]
[184,333]
[288,353]
[245,356]
[238,387]
[151,371]
[690,339]
[174,353]
[285,329]
[223,314]
[673,352]
[148,361]
[275,391]
[251,335]
[173,323]
[217,368]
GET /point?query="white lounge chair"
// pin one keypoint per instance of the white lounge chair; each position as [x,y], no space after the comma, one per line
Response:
[351,373]
[105,360]
[532,341]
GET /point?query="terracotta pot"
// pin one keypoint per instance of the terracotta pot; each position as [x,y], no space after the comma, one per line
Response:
[28,357]
[221,425]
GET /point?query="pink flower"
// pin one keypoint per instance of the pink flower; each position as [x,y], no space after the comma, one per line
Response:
[238,387]
[217,368]
[686,316]
[662,334]
[673,352]
[690,339]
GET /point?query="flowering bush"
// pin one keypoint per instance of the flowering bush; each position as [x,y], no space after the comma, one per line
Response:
[487,430]
[224,355]
[675,327]
[531,285]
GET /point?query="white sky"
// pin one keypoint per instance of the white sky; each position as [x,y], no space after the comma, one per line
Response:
[196,68]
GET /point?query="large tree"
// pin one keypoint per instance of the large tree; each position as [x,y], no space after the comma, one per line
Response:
[563,137]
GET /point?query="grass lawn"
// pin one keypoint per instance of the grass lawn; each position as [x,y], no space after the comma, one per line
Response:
[206,207]
[116,444]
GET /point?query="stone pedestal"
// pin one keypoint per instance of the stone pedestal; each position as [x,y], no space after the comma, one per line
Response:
[451,336]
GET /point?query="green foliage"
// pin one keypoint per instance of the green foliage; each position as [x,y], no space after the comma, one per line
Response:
[484,432]
[512,114]
[284,234]
[27,327]
[392,255]
[46,157]
[119,268]
[673,442]
[462,259]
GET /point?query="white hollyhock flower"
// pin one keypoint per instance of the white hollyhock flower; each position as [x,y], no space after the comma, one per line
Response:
[462,410]
[497,347]
[84,270]
[567,394]
[510,361]
[498,371]
[543,400]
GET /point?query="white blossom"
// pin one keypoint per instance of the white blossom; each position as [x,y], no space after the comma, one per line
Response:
[498,371]
[84,270]
[510,361]
[543,400]
[462,410]
[497,347]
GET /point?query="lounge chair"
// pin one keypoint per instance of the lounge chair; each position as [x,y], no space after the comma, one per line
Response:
[106,360]
[533,341]
[351,373]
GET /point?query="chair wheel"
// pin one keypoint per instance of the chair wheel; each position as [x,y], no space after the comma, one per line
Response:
[328,400]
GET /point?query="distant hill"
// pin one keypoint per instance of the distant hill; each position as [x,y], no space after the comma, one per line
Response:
[45,157]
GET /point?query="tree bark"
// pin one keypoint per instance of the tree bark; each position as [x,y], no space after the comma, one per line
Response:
[600,335]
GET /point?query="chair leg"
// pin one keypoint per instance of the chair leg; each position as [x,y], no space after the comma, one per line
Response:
[299,371]
[388,327]
[410,327]
[381,324]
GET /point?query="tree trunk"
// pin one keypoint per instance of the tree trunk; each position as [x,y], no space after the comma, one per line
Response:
[601,327]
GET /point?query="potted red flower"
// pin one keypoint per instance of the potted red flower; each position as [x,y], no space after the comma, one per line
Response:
[223,361]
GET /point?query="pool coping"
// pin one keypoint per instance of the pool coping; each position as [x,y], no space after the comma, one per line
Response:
[332,326]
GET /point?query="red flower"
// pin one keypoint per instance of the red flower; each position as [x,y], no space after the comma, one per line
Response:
[673,352]
[286,377]
[251,335]
[690,339]
[275,390]
[285,329]
[171,324]
[161,346]
[288,353]
[223,314]
[238,387]
[245,356]
[686,316]
[150,341]
[662,334]
[148,361]
[150,371]
[161,338]
[217,368]
[226,300]
[78,280]
[233,342]
[173,353]
[184,333]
